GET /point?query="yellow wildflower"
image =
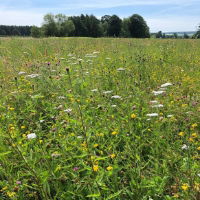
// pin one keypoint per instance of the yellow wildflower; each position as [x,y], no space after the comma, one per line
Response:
[185,186]
[95,168]
[194,135]
[112,155]
[109,168]
[191,139]
[114,133]
[23,127]
[181,133]
[11,194]
[198,148]
[95,145]
[10,108]
[194,125]
[133,116]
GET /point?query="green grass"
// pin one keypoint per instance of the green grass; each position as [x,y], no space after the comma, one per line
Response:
[92,144]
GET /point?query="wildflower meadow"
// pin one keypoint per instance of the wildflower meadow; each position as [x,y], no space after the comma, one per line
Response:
[108,118]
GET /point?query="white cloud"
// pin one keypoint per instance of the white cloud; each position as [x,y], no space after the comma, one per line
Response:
[20,18]
[173,23]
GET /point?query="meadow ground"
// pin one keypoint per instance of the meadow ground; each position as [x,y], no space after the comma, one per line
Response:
[84,118]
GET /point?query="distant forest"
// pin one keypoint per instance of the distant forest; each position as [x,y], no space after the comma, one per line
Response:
[89,26]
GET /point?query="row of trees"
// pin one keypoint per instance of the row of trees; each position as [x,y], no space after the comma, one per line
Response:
[15,30]
[159,34]
[89,26]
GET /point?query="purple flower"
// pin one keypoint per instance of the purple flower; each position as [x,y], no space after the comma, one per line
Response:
[75,169]
[18,182]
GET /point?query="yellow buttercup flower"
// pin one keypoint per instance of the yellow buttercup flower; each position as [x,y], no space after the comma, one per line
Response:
[181,133]
[185,186]
[95,145]
[194,135]
[133,116]
[109,168]
[11,194]
[95,168]
[23,127]
[112,155]
[194,125]
[114,133]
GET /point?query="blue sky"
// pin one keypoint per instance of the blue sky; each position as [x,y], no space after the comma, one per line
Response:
[165,15]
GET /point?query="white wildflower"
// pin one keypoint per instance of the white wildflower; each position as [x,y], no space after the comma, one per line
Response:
[152,115]
[69,110]
[61,97]
[21,73]
[157,106]
[116,97]
[33,75]
[94,90]
[158,92]
[31,136]
[166,85]
[113,106]
[169,116]
[153,102]
[41,121]
[107,92]
[184,147]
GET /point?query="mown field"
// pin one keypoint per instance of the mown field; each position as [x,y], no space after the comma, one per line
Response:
[84,118]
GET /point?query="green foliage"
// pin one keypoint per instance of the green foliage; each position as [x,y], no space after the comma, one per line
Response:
[138,27]
[197,34]
[114,26]
[36,32]
[74,120]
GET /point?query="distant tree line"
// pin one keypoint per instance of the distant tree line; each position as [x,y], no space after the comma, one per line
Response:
[15,30]
[159,34]
[89,26]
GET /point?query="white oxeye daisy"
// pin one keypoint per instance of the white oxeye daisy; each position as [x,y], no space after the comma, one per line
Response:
[61,97]
[20,73]
[157,106]
[107,92]
[184,147]
[69,110]
[94,90]
[152,115]
[153,102]
[113,106]
[116,97]
[31,136]
[33,75]
[158,92]
[166,85]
